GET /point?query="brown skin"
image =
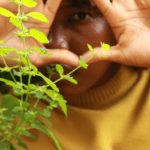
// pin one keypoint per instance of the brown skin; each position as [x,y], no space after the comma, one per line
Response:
[49,8]
[72,29]
[127,19]
[130,22]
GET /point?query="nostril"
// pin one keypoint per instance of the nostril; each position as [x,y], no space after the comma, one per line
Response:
[57,42]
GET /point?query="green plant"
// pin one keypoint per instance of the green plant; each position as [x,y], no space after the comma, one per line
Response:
[18,115]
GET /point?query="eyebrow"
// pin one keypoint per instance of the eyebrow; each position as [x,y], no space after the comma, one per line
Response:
[78,3]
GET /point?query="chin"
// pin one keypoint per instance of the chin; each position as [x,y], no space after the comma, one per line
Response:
[87,79]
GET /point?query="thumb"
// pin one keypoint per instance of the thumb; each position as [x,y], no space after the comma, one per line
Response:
[112,55]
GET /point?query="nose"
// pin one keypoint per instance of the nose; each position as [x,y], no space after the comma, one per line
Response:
[58,39]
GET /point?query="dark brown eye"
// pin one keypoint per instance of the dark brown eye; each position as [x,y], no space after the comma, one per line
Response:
[80,16]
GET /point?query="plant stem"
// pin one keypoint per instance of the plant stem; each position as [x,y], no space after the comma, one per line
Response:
[3,59]
[74,70]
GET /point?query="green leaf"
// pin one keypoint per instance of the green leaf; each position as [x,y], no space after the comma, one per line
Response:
[40,126]
[38,16]
[17,73]
[63,106]
[59,69]
[70,79]
[56,97]
[9,102]
[27,133]
[91,49]
[8,82]
[83,64]
[22,144]
[46,113]
[4,145]
[51,94]
[32,86]
[49,82]
[41,50]
[5,50]
[12,147]
[38,35]
[16,22]
[5,12]
[39,95]
[27,3]
[29,116]
[105,47]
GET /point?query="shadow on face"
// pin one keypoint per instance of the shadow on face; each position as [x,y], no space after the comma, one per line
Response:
[77,23]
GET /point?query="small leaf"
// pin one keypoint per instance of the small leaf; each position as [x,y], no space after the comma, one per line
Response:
[22,144]
[63,106]
[59,69]
[105,47]
[41,50]
[46,113]
[51,94]
[10,103]
[5,50]
[16,22]
[6,13]
[27,3]
[83,64]
[32,86]
[38,16]
[39,95]
[4,145]
[8,82]
[49,82]
[17,73]
[12,147]
[91,49]
[39,36]
[40,126]
[70,79]
[27,133]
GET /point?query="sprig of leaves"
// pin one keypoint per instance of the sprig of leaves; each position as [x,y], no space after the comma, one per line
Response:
[17,115]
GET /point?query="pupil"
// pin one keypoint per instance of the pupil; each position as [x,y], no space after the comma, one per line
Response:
[82,15]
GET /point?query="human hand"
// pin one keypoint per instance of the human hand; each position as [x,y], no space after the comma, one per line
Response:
[49,9]
[130,22]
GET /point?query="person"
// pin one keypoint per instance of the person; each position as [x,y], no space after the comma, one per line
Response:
[109,108]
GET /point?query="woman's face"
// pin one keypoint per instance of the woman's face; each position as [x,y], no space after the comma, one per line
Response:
[77,23]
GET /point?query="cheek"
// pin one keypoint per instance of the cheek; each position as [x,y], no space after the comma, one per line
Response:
[93,32]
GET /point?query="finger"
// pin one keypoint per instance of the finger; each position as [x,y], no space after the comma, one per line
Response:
[55,56]
[143,3]
[104,5]
[51,7]
[113,55]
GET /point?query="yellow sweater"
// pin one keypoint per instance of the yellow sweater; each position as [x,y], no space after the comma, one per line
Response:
[115,116]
